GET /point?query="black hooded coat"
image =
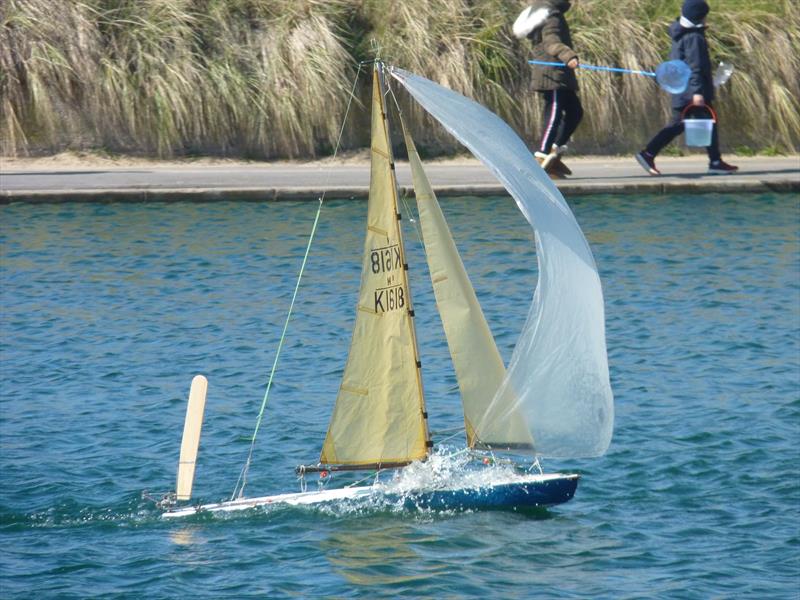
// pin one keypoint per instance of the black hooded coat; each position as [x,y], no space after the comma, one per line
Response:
[690,46]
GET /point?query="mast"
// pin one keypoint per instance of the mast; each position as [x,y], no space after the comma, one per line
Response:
[379,419]
[379,67]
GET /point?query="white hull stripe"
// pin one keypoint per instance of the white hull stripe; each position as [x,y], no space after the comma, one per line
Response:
[338,494]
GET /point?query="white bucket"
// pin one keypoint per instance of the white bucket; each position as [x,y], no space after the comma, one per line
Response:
[698,132]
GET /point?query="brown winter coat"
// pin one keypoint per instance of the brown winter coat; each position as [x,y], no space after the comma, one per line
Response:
[552,42]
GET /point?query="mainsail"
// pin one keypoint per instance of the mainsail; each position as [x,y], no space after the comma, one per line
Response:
[478,365]
[379,418]
[558,374]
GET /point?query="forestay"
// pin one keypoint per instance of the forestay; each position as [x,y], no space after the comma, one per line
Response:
[558,373]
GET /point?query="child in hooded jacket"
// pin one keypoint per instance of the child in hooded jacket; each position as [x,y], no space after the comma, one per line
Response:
[545,25]
[689,45]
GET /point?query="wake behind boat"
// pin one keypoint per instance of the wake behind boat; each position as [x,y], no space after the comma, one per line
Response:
[553,400]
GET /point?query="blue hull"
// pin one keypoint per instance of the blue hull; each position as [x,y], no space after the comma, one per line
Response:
[508,496]
[535,491]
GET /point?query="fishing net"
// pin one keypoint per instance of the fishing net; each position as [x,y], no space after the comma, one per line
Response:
[673,76]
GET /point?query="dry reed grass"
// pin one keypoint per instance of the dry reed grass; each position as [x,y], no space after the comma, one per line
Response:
[271,78]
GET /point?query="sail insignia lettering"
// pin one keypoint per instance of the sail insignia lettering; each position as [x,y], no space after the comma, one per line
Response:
[389,298]
[386,259]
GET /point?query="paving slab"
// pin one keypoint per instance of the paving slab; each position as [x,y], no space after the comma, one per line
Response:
[279,181]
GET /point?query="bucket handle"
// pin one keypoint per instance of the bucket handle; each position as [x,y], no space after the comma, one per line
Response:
[706,106]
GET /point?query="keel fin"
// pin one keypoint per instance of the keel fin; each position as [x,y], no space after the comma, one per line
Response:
[191,437]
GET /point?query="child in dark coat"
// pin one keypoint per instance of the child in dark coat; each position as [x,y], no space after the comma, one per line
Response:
[689,45]
[544,24]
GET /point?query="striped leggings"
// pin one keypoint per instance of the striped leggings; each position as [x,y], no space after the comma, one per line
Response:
[562,114]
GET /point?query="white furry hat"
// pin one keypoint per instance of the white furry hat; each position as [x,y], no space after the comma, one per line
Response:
[528,20]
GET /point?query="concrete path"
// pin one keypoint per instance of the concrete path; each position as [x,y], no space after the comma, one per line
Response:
[271,181]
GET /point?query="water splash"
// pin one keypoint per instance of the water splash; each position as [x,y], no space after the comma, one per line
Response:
[449,469]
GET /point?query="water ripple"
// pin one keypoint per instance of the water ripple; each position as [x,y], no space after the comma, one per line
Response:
[108,310]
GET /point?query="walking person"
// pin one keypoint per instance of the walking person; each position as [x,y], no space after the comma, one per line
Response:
[689,45]
[545,25]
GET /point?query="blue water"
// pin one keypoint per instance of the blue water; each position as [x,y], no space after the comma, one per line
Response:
[109,309]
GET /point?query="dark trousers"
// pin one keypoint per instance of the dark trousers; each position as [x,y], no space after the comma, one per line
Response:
[674,129]
[562,114]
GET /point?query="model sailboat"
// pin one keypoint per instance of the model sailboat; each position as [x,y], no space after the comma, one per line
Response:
[553,400]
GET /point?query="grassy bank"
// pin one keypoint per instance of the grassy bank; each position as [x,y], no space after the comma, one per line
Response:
[272,78]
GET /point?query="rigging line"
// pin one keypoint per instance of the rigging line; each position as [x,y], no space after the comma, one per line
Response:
[363,479]
[451,436]
[246,468]
[341,131]
[411,219]
[448,430]
[404,197]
